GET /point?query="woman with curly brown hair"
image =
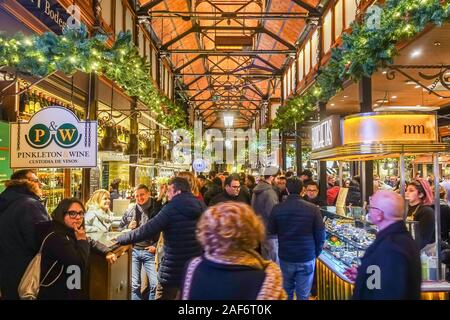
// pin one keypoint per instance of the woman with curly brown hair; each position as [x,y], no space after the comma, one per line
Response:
[230,267]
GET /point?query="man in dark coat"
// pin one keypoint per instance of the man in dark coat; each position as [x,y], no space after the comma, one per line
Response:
[233,192]
[178,222]
[312,194]
[390,268]
[20,210]
[301,235]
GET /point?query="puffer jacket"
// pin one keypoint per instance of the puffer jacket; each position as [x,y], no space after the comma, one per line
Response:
[178,222]
[20,210]
[264,198]
[300,229]
[97,220]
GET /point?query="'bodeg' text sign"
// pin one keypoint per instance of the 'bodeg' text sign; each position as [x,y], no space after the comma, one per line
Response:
[53,138]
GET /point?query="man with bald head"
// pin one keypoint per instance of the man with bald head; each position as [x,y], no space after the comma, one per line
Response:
[390,268]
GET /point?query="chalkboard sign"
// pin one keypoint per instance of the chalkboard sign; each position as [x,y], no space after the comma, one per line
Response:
[105,175]
[94,180]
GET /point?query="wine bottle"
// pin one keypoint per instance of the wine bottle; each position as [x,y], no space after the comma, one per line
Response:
[31,103]
[37,102]
[23,102]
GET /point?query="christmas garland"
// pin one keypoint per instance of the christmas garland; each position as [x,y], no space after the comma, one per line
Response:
[75,51]
[363,51]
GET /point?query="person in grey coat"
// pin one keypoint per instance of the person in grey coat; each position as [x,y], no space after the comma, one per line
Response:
[264,198]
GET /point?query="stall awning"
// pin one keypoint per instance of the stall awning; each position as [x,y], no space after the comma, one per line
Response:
[360,152]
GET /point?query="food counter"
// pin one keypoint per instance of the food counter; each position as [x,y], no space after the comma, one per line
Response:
[348,236]
[110,281]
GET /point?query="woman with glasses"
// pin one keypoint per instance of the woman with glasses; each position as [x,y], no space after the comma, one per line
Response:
[99,217]
[420,197]
[65,253]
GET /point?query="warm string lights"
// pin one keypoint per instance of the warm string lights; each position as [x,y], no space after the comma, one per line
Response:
[75,51]
[363,51]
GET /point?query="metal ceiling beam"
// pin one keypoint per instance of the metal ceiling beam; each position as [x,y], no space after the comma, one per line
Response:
[188,63]
[143,10]
[194,28]
[229,15]
[277,38]
[193,81]
[308,7]
[215,74]
[229,52]
[198,28]
[268,63]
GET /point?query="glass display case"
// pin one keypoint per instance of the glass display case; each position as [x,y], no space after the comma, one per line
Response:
[53,186]
[348,234]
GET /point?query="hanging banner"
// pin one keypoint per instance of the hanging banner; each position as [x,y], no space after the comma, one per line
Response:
[54,138]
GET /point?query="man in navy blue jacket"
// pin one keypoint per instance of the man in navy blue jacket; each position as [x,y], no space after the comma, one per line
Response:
[390,268]
[178,222]
[301,234]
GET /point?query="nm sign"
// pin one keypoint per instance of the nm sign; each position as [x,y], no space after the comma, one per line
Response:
[53,138]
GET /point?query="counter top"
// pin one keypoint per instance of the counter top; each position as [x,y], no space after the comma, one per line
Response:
[106,238]
[339,267]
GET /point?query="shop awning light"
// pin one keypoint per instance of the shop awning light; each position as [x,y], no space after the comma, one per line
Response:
[406,108]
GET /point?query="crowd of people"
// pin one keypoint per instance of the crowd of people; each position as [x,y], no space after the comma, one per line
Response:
[224,236]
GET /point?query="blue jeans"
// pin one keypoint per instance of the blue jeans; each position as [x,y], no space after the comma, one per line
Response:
[298,276]
[143,258]
[269,250]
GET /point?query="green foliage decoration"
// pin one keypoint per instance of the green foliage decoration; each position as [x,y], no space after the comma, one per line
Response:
[75,51]
[362,52]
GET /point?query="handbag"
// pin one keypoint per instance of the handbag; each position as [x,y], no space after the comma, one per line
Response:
[31,280]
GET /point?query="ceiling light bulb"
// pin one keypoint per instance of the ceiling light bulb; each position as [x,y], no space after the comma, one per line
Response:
[416,53]
[417,87]
[394,97]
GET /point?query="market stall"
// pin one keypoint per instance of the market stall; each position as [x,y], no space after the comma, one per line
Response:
[370,136]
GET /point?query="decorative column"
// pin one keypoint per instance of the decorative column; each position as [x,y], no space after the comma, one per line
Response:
[365,101]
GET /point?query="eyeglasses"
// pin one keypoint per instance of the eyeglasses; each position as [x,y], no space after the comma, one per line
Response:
[74,214]
[309,190]
[35,180]
[235,187]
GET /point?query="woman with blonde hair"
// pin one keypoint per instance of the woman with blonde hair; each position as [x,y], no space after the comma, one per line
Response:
[230,268]
[98,216]
[193,183]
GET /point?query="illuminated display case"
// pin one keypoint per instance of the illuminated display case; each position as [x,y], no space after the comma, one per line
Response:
[348,235]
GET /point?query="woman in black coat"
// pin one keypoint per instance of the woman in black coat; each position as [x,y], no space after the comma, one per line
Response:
[65,253]
[419,196]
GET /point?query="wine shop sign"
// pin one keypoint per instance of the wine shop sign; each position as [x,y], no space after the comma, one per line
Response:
[53,138]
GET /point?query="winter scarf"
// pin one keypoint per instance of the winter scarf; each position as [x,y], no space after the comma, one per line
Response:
[272,288]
